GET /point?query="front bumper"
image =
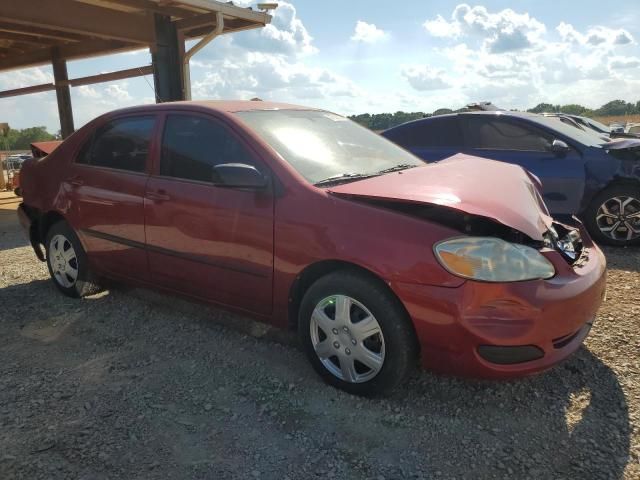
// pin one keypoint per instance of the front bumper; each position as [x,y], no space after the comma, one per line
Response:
[502,330]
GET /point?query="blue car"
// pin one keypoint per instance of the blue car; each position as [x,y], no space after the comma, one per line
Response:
[581,173]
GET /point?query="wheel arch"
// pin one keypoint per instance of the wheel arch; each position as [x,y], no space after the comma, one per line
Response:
[46,221]
[317,270]
[633,181]
[612,183]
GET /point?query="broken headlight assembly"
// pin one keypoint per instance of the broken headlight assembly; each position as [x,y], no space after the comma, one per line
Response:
[490,259]
[564,240]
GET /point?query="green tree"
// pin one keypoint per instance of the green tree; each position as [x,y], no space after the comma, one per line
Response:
[22,139]
[616,107]
[573,109]
[442,111]
[544,107]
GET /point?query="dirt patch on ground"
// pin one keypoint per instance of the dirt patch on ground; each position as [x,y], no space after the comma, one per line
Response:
[132,384]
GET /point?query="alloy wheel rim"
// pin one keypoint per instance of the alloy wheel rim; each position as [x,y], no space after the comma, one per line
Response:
[347,339]
[619,218]
[63,261]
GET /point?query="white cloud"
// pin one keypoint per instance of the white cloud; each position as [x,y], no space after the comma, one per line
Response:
[286,34]
[86,91]
[269,64]
[118,91]
[502,31]
[368,33]
[597,36]
[511,58]
[425,78]
[624,62]
[270,77]
[441,28]
[26,78]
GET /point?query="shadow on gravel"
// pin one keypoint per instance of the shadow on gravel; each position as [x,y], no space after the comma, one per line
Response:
[11,235]
[627,259]
[573,418]
[10,240]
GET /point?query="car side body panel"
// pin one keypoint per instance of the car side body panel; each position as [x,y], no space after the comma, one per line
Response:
[570,181]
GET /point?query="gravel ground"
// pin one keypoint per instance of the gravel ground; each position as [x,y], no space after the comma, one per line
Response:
[131,384]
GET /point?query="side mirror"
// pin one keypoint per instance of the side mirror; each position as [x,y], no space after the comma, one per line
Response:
[559,147]
[239,175]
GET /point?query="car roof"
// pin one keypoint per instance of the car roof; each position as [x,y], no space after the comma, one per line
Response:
[494,113]
[225,106]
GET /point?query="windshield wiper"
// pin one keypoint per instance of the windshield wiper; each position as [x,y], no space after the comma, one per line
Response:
[396,168]
[344,177]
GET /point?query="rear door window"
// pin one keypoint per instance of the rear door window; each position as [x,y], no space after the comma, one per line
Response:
[193,145]
[441,132]
[122,144]
[499,134]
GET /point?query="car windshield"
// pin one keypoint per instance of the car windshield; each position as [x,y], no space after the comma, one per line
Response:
[584,137]
[597,125]
[322,145]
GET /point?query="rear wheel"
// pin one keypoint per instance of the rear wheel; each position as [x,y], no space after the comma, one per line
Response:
[613,217]
[18,192]
[356,334]
[67,262]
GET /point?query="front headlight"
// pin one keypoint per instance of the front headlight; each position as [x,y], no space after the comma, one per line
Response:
[492,260]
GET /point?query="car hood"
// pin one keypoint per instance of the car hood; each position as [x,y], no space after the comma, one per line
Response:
[622,144]
[500,191]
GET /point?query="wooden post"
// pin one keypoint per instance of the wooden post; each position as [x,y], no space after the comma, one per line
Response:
[167,63]
[4,131]
[63,94]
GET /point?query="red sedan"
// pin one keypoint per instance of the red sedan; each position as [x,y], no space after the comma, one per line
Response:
[306,220]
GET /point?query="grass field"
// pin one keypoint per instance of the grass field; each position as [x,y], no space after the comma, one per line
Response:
[619,119]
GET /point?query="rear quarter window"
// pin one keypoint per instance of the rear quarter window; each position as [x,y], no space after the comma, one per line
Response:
[121,144]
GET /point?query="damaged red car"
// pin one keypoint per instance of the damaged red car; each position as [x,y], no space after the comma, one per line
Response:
[308,221]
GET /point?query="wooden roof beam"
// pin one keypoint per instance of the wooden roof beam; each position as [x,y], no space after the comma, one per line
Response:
[39,32]
[29,39]
[109,77]
[44,87]
[230,11]
[81,18]
[141,5]
[67,52]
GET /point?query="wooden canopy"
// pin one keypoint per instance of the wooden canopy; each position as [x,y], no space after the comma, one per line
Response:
[31,29]
[39,32]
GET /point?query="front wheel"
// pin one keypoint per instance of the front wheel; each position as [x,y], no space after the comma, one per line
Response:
[67,262]
[613,217]
[356,334]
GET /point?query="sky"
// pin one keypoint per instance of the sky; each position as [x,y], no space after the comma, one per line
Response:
[378,56]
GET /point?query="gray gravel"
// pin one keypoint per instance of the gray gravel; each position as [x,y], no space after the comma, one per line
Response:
[133,384]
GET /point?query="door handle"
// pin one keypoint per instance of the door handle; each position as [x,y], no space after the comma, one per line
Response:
[159,196]
[76,181]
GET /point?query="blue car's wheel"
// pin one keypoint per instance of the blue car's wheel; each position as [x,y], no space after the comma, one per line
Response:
[613,218]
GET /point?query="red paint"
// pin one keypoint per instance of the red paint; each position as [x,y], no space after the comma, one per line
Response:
[245,249]
[498,190]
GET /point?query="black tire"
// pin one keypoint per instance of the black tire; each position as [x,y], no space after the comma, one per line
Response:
[18,192]
[84,283]
[591,214]
[399,339]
